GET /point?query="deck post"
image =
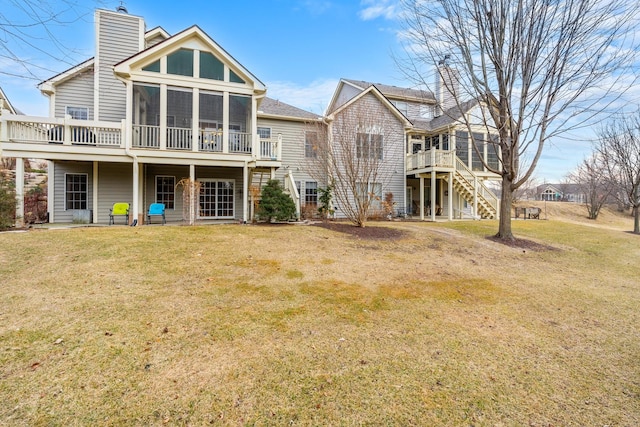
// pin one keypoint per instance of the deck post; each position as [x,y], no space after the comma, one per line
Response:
[475,197]
[245,191]
[433,195]
[94,202]
[192,196]
[421,198]
[450,199]
[19,192]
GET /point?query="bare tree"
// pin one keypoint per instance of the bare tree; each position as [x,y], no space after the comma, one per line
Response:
[29,28]
[619,149]
[353,153]
[593,181]
[537,68]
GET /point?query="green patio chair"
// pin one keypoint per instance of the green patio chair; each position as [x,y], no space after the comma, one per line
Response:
[119,209]
[156,209]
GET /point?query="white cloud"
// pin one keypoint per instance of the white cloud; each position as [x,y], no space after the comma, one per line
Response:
[313,97]
[316,7]
[387,9]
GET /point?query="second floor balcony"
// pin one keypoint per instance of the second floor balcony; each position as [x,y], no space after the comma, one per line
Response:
[79,135]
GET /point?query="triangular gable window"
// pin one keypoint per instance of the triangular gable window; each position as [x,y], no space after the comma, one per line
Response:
[211,67]
[154,66]
[234,78]
[180,62]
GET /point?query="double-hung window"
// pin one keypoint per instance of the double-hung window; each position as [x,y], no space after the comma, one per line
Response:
[165,191]
[369,146]
[76,191]
[311,145]
[311,193]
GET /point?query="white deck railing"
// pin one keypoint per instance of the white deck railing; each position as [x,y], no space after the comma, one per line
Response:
[240,142]
[210,141]
[63,131]
[146,136]
[67,131]
[179,138]
[268,148]
[430,158]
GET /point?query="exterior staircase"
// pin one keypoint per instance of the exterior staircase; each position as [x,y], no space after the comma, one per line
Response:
[467,184]
[258,179]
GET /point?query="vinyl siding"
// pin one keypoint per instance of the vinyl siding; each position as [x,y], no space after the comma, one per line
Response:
[346,93]
[154,41]
[371,111]
[75,92]
[60,170]
[149,196]
[293,159]
[115,184]
[118,38]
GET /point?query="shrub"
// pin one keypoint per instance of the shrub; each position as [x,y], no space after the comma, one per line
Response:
[275,203]
[7,203]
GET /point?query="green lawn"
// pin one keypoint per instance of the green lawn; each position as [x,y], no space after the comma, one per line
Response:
[300,325]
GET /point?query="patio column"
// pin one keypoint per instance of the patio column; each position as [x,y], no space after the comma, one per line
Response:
[192,196]
[421,198]
[51,203]
[94,202]
[450,198]
[433,195]
[245,191]
[136,186]
[19,192]
[475,197]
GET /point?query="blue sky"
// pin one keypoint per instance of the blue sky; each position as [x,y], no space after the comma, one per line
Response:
[298,48]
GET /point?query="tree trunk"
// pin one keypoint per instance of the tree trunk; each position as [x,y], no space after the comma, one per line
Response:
[504,228]
[636,219]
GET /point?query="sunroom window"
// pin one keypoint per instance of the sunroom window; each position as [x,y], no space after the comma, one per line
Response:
[180,62]
[154,66]
[211,67]
[234,78]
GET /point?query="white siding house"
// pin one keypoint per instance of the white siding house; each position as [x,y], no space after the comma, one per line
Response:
[151,109]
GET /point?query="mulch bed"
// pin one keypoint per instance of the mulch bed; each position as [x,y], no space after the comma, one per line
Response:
[523,244]
[370,233]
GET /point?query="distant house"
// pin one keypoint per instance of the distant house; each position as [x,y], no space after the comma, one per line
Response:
[560,193]
[150,109]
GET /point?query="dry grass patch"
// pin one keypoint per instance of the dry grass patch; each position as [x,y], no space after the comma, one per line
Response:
[242,325]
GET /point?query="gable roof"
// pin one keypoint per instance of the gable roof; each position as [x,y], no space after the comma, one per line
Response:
[47,86]
[394,92]
[155,32]
[448,117]
[277,109]
[5,103]
[378,94]
[123,67]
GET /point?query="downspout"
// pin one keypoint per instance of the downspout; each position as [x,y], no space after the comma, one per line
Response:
[136,170]
[127,125]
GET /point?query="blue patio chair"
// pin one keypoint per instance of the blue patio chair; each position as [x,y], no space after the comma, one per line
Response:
[156,209]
